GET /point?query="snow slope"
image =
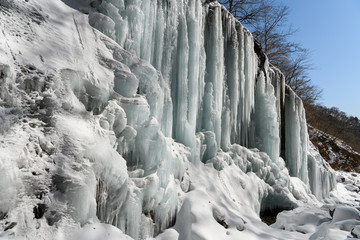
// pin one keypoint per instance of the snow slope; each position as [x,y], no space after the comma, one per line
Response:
[160,118]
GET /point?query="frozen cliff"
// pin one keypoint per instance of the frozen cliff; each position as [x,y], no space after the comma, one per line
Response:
[145,115]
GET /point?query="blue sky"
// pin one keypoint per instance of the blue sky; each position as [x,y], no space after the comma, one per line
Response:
[331,30]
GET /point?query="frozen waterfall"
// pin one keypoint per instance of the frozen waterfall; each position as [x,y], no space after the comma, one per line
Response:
[119,118]
[222,91]
[216,79]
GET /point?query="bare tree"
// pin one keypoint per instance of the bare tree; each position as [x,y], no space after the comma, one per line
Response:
[272,32]
[246,11]
[295,70]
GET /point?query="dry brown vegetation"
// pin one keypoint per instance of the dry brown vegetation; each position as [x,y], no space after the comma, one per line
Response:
[336,123]
[338,153]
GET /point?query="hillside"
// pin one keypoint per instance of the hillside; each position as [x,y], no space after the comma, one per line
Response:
[336,152]
[336,123]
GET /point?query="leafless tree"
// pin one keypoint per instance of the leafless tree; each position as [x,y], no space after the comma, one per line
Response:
[246,11]
[295,69]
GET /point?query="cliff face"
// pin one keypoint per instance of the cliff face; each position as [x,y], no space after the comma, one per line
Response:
[119,124]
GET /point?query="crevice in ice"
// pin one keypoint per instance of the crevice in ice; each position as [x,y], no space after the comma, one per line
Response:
[9,226]
[272,205]
[3,215]
[39,210]
[269,216]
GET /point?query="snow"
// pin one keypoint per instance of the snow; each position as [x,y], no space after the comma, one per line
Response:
[154,119]
[97,231]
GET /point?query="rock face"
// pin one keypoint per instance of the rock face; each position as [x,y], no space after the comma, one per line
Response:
[114,119]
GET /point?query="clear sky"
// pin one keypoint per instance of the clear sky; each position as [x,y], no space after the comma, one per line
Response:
[331,30]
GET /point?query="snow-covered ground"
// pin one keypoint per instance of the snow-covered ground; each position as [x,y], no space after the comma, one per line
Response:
[101,135]
[210,213]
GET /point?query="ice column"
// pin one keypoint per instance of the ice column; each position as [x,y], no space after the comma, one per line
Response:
[296,136]
[278,81]
[214,77]
[248,98]
[321,177]
[188,84]
[266,119]
[230,127]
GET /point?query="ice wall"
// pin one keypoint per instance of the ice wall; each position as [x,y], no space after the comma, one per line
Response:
[207,58]
[223,89]
[296,136]
[218,82]
[116,117]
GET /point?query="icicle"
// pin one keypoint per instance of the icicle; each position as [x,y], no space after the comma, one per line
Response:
[266,118]
[214,77]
